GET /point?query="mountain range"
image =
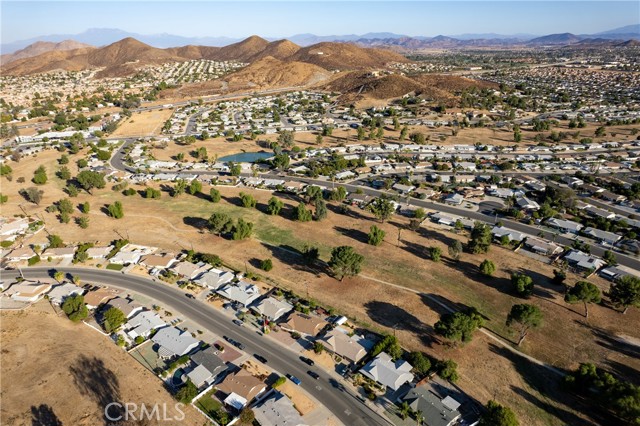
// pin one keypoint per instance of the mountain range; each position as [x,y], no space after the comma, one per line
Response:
[106,36]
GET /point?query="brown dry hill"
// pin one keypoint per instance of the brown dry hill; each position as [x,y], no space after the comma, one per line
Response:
[241,51]
[341,56]
[68,60]
[41,47]
[442,88]
[270,72]
[194,52]
[279,49]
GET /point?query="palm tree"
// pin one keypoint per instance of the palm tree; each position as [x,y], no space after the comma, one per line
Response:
[58,276]
[404,410]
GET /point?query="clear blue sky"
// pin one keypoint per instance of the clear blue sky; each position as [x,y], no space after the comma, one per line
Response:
[26,19]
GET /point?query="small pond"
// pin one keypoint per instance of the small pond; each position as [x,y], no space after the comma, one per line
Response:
[246,157]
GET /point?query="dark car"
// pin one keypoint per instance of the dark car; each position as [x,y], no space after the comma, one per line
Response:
[294,379]
[307,361]
[238,322]
[260,358]
[313,374]
[190,296]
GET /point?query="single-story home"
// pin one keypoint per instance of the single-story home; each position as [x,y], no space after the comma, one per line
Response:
[99,252]
[27,291]
[454,199]
[602,236]
[500,231]
[543,247]
[564,226]
[241,388]
[526,204]
[387,372]
[190,270]
[208,366]
[160,261]
[242,292]
[581,260]
[20,254]
[126,258]
[143,323]
[352,348]
[304,324]
[59,253]
[60,292]
[435,411]
[174,342]
[278,409]
[128,307]
[214,278]
[598,212]
[95,298]
[272,308]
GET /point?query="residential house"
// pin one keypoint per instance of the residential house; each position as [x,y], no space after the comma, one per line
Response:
[454,199]
[61,291]
[581,260]
[59,253]
[352,348]
[278,410]
[614,273]
[128,307]
[126,258]
[20,254]
[11,228]
[172,342]
[425,193]
[97,297]
[190,270]
[598,212]
[499,232]
[387,372]
[602,236]
[242,292]
[143,324]
[564,226]
[435,411]
[613,197]
[572,181]
[526,204]
[543,247]
[99,252]
[304,324]
[159,261]
[208,364]
[27,291]
[403,189]
[272,308]
[214,278]
[241,388]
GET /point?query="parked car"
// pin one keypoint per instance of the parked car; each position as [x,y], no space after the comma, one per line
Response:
[190,296]
[260,358]
[234,342]
[238,322]
[294,379]
[307,361]
[313,374]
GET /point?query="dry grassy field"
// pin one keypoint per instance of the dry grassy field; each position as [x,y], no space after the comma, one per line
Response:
[147,123]
[487,369]
[55,372]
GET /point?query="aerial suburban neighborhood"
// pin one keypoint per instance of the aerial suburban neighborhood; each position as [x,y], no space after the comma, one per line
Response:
[367,230]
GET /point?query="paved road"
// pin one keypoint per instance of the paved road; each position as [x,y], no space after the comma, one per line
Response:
[327,390]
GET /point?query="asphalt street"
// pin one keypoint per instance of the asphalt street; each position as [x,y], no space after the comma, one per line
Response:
[327,390]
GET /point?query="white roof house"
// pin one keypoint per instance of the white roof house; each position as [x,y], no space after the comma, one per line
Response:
[214,278]
[278,409]
[500,231]
[189,269]
[99,252]
[174,342]
[564,225]
[603,236]
[272,308]
[27,291]
[241,292]
[124,258]
[582,260]
[387,372]
[143,324]
[60,292]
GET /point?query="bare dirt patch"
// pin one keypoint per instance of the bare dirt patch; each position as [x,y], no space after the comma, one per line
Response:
[147,123]
[55,369]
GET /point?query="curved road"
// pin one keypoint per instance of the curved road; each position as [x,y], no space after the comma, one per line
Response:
[327,390]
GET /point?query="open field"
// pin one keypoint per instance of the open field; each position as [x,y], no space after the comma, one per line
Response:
[487,369]
[147,123]
[82,372]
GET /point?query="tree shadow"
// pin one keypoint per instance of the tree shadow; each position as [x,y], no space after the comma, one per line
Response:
[235,201]
[549,384]
[256,263]
[199,223]
[356,234]
[294,258]
[105,209]
[94,379]
[624,371]
[392,316]
[472,271]
[43,415]
[352,211]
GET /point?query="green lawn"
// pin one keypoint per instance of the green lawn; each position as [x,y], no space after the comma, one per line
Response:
[115,267]
[207,404]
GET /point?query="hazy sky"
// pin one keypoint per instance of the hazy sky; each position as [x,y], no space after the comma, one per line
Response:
[25,19]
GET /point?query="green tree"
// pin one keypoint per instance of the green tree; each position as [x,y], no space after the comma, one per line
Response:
[459,326]
[152,193]
[266,265]
[33,194]
[321,209]
[247,200]
[285,139]
[339,194]
[455,248]
[313,193]
[281,161]
[625,292]
[220,223]
[420,362]
[214,195]
[376,236]
[85,207]
[404,410]
[113,319]
[187,392]
[179,188]
[40,176]
[448,370]
[382,208]
[497,415]
[65,206]
[58,276]
[116,210]
[235,168]
[610,258]
[310,254]
[242,230]
[584,292]
[480,240]
[522,284]
[55,241]
[194,187]
[302,214]
[5,170]
[345,262]
[64,173]
[435,253]
[64,159]
[318,347]
[524,317]
[274,206]
[247,416]
[83,222]
[3,198]
[89,180]
[75,308]
[487,268]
